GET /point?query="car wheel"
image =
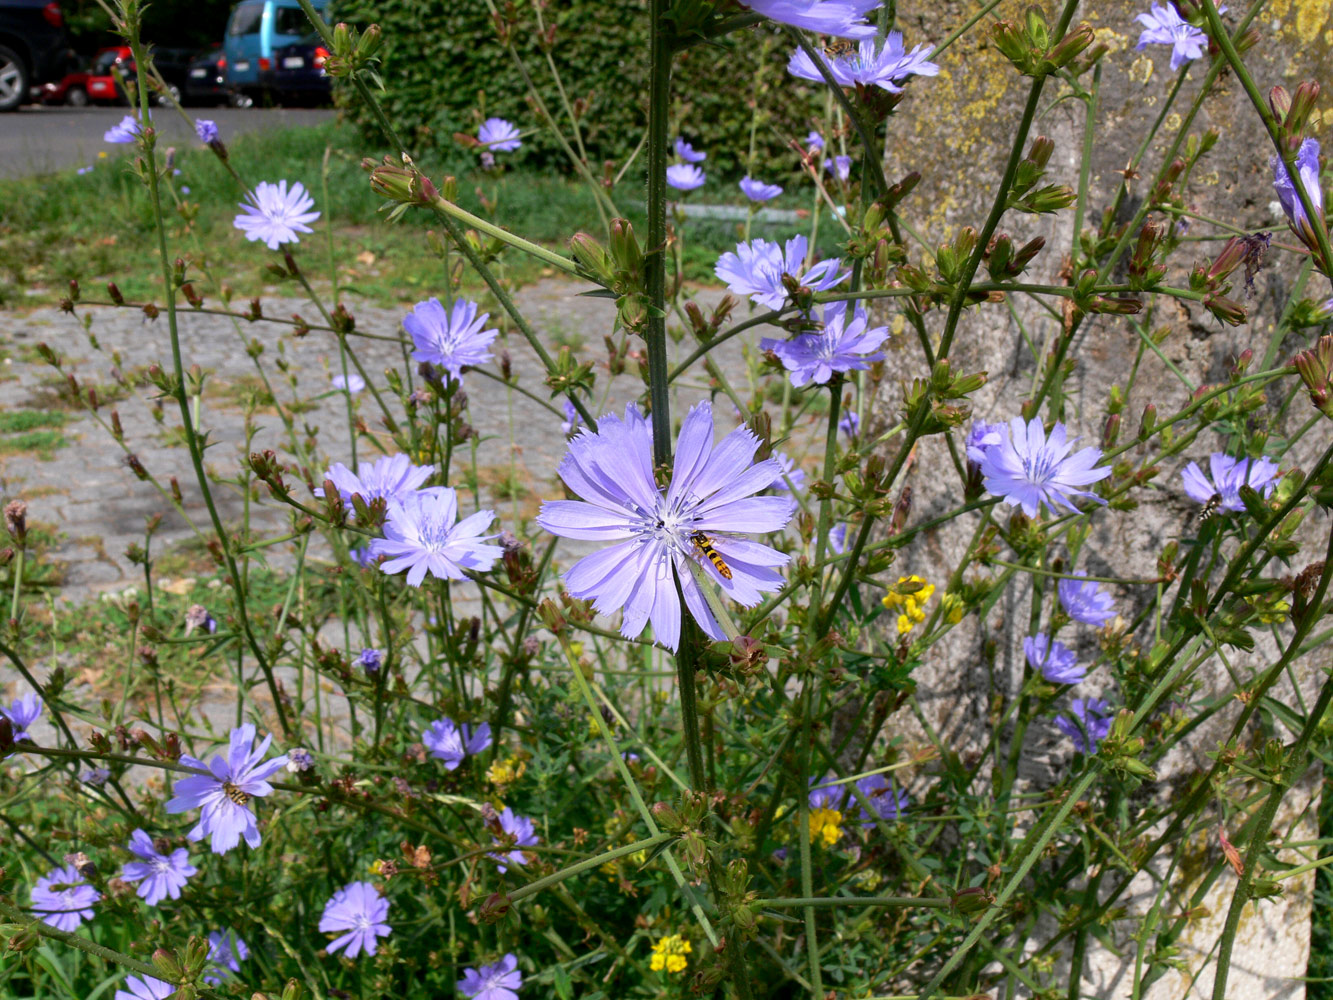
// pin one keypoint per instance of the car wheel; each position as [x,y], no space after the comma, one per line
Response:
[13,80]
[239,100]
[76,97]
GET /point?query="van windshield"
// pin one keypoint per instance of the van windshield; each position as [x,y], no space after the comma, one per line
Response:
[290,21]
[245,19]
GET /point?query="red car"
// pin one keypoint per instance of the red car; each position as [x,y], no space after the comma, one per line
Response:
[102,86]
[72,90]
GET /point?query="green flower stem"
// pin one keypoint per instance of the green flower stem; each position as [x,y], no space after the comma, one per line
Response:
[1294,764]
[624,851]
[632,787]
[147,144]
[14,915]
[1002,192]
[1220,35]
[444,205]
[832,902]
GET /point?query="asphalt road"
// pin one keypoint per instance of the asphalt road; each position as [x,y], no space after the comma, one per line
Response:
[38,140]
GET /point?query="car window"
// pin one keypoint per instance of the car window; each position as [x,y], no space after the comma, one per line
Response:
[245,19]
[290,21]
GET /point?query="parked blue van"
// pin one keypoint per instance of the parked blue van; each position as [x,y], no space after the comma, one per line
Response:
[255,29]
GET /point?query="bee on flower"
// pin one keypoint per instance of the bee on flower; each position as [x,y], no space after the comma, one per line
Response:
[908,597]
[669,953]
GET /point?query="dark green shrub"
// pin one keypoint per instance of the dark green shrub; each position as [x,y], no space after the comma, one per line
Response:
[444,69]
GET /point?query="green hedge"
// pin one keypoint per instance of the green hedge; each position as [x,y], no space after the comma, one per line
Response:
[442,62]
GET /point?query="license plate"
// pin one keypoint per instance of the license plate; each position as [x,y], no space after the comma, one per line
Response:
[198,74]
[241,67]
[293,62]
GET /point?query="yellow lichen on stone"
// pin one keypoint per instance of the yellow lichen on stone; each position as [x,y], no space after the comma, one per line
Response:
[1172,123]
[1140,70]
[1112,39]
[1310,18]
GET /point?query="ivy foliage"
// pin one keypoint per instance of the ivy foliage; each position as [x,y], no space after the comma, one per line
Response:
[444,73]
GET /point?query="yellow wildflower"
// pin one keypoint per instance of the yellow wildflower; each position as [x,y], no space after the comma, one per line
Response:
[825,824]
[909,596]
[505,772]
[953,608]
[669,953]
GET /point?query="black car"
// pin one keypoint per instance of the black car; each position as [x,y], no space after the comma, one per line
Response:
[298,75]
[206,82]
[33,48]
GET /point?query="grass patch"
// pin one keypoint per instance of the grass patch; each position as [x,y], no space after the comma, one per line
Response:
[43,444]
[16,421]
[98,227]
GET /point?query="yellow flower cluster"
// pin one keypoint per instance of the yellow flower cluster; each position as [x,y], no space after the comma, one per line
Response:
[909,596]
[505,772]
[826,825]
[669,953]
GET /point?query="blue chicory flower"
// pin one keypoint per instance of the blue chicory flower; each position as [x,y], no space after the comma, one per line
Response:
[206,130]
[1228,476]
[63,899]
[392,477]
[500,981]
[146,988]
[1029,469]
[869,65]
[370,659]
[826,794]
[688,153]
[351,382]
[758,190]
[841,346]
[160,875]
[22,714]
[685,176]
[839,166]
[1085,601]
[850,424]
[452,743]
[95,776]
[499,136]
[422,534]
[814,140]
[85,170]
[983,436]
[841,18]
[573,419]
[649,532]
[1055,660]
[884,796]
[197,617]
[1307,173]
[523,834]
[453,341]
[793,476]
[125,130]
[299,759]
[837,538]
[359,910]
[1087,724]
[757,267]
[275,213]
[1164,26]
[226,951]
[223,796]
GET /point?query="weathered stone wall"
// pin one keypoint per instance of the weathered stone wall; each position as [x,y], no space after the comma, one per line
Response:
[956,130]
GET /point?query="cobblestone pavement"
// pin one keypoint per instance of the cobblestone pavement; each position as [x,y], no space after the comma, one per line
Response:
[87,491]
